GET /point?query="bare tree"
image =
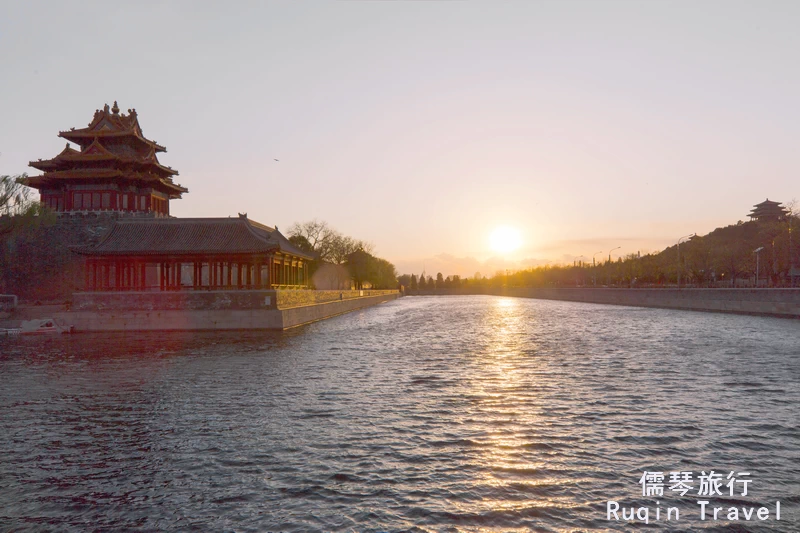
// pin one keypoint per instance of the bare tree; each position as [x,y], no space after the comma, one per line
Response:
[316,232]
[329,244]
[15,198]
[17,209]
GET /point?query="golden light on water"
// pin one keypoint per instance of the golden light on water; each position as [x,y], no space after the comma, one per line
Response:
[505,239]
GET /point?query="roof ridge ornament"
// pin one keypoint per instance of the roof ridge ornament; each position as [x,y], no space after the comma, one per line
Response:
[115,109]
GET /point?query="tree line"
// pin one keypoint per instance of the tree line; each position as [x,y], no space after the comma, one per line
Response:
[29,267]
[725,257]
[328,245]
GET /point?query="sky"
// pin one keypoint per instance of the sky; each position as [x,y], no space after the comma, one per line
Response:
[423,126]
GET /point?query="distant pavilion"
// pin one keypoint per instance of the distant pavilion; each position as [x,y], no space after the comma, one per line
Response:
[768,210]
[115,177]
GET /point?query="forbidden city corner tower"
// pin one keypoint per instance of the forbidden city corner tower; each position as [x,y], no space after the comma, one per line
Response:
[115,170]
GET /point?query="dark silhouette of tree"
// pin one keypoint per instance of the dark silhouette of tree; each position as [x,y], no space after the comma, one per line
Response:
[366,268]
[28,264]
[301,243]
[404,280]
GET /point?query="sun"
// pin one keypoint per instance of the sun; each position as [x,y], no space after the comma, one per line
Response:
[505,239]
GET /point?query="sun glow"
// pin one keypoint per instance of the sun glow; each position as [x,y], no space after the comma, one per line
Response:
[505,239]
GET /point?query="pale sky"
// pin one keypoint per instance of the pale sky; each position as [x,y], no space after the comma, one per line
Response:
[422,126]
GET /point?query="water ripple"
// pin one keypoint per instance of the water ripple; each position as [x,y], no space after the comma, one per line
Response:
[425,414]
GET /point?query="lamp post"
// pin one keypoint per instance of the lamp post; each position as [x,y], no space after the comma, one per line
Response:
[791,256]
[594,268]
[679,256]
[580,270]
[609,263]
[757,251]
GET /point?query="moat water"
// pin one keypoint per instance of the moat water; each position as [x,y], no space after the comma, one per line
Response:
[472,413]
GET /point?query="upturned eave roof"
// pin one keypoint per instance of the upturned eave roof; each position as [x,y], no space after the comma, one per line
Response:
[190,236]
[53,177]
[108,122]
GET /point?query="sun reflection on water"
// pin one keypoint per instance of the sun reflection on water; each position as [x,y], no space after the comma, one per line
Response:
[511,460]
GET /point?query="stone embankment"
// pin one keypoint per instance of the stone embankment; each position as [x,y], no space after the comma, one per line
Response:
[207,310]
[765,302]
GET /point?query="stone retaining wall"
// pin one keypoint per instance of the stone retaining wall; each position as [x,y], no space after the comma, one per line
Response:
[770,302]
[203,310]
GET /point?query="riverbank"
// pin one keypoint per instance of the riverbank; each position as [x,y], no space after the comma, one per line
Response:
[201,310]
[784,303]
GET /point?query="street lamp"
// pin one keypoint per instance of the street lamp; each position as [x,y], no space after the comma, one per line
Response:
[609,263]
[757,251]
[594,268]
[580,269]
[679,256]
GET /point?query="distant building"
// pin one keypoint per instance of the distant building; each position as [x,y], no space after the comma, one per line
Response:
[115,170]
[768,210]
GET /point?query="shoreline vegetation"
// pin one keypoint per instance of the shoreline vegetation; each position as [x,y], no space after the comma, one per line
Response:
[330,246]
[724,258]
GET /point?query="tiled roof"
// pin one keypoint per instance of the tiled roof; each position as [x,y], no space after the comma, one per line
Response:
[183,236]
[768,209]
[109,123]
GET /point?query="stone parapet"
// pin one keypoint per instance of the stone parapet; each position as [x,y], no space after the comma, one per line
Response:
[211,300]
[294,298]
[174,300]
